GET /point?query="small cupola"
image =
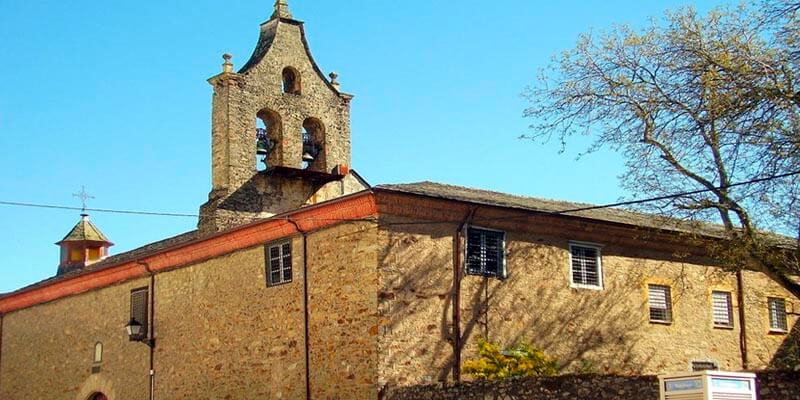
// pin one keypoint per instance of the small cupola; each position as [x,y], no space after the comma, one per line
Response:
[84,245]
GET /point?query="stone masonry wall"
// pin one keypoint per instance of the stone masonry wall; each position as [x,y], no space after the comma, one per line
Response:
[772,386]
[48,350]
[343,312]
[223,333]
[604,331]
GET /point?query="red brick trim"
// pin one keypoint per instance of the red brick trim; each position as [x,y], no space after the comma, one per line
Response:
[361,205]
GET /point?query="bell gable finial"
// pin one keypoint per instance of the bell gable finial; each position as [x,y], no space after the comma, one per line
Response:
[282,10]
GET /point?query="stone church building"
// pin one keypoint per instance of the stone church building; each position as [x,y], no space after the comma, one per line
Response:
[303,282]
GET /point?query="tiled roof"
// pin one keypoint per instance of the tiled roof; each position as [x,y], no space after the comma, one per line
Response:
[85,230]
[582,210]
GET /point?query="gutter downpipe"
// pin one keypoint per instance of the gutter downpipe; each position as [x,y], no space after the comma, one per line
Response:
[457,296]
[151,343]
[742,319]
[305,305]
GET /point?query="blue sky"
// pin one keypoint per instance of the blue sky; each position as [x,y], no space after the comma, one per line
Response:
[112,95]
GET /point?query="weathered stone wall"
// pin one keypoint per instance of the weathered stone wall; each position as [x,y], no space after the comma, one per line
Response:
[343,312]
[48,350]
[223,333]
[772,386]
[604,330]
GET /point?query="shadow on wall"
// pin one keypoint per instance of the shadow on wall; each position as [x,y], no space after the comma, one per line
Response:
[589,331]
[788,355]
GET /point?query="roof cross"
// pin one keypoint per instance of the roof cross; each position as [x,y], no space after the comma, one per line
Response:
[84,196]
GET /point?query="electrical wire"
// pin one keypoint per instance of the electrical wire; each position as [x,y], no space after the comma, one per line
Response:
[559,212]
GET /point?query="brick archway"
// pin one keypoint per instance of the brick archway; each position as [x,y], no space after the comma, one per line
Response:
[96,387]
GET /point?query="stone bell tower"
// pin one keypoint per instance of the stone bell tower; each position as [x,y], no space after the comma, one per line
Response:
[280,131]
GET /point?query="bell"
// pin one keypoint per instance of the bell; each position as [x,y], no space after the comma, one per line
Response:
[307,157]
[262,148]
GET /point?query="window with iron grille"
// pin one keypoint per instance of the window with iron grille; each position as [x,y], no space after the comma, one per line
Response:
[704,366]
[486,253]
[279,264]
[722,309]
[139,310]
[660,300]
[586,270]
[777,315]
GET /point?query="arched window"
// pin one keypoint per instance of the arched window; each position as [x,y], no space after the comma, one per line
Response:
[98,353]
[268,135]
[291,81]
[98,396]
[313,142]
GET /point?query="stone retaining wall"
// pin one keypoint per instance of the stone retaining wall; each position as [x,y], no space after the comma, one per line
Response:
[772,386]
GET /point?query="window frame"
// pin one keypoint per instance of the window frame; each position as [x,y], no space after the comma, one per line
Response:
[598,248]
[502,272]
[729,310]
[668,300]
[784,327]
[282,258]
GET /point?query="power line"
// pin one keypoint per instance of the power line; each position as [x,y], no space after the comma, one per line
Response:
[559,212]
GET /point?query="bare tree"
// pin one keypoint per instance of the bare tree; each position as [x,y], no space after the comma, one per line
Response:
[693,103]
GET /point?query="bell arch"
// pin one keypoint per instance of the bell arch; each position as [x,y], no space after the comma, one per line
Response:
[313,150]
[269,134]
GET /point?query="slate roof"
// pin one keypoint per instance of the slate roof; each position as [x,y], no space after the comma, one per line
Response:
[582,210]
[85,230]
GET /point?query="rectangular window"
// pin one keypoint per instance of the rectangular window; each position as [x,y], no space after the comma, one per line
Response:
[722,309]
[777,315]
[660,300]
[486,253]
[586,271]
[279,264]
[139,310]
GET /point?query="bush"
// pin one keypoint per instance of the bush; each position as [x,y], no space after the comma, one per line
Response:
[494,363]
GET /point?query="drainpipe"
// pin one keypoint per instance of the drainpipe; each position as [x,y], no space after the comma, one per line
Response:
[742,319]
[457,251]
[305,306]
[151,341]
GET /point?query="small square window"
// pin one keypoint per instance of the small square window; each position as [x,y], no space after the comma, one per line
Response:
[279,264]
[722,309]
[777,315]
[486,253]
[660,300]
[585,266]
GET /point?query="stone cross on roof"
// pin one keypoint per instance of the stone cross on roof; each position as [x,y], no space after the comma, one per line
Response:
[282,10]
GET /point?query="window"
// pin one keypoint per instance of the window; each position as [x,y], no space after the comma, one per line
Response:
[486,253]
[139,310]
[722,309]
[98,352]
[777,315]
[704,366]
[660,300]
[585,264]
[279,264]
